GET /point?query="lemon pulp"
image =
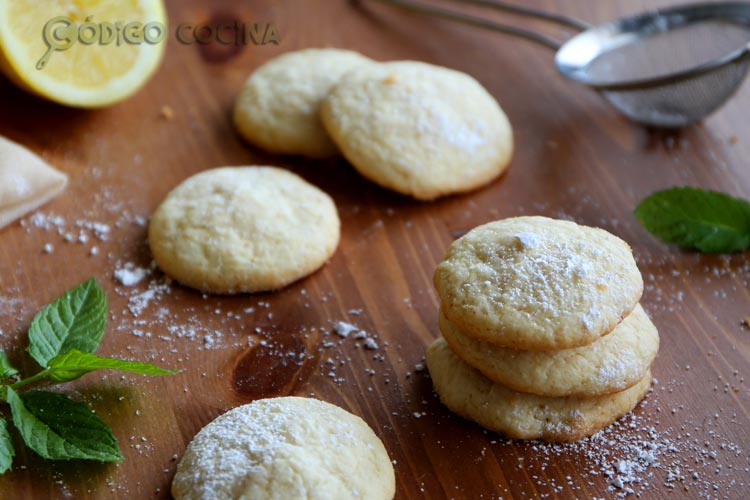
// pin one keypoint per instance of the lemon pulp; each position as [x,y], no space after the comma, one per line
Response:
[83,75]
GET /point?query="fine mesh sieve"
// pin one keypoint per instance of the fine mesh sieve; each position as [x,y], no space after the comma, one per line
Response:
[666,68]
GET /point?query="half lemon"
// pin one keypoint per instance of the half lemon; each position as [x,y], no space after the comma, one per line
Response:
[113,52]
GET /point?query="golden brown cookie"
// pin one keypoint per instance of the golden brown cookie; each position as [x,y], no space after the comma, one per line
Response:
[278,108]
[419,129]
[610,364]
[285,448]
[537,283]
[243,229]
[465,391]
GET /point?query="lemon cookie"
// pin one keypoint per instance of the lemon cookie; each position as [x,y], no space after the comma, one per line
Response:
[283,448]
[278,107]
[26,181]
[418,129]
[610,364]
[243,229]
[518,415]
[537,283]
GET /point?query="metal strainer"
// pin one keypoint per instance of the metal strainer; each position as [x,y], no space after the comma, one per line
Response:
[666,68]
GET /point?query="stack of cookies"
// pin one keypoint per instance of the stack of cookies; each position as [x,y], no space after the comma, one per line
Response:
[542,333]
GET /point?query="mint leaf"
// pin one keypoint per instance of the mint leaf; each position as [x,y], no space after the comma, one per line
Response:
[74,364]
[6,447]
[708,221]
[6,369]
[58,428]
[74,321]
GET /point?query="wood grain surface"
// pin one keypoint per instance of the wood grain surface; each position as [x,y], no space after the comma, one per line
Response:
[575,158]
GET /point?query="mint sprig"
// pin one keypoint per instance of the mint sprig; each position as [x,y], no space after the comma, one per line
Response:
[74,321]
[62,339]
[700,219]
[74,363]
[58,428]
[6,447]
[6,369]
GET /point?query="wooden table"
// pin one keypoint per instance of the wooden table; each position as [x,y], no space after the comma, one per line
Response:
[575,158]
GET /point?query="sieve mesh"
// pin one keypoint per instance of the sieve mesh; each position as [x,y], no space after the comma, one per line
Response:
[664,48]
[668,48]
[680,102]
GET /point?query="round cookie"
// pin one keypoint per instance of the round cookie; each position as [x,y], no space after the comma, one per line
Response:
[535,283]
[611,364]
[283,448]
[243,229]
[418,129]
[466,392]
[278,108]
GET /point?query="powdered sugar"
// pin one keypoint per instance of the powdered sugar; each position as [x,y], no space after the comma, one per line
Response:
[343,329]
[80,231]
[552,279]
[251,443]
[370,344]
[528,240]
[139,302]
[130,274]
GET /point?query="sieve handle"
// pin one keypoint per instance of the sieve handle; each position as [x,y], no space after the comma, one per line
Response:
[453,15]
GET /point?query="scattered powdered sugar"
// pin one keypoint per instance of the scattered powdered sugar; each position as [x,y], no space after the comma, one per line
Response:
[80,231]
[193,330]
[139,302]
[370,344]
[343,329]
[9,307]
[130,274]
[44,221]
[639,457]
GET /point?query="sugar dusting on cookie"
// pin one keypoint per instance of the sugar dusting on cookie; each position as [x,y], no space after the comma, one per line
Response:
[528,240]
[436,128]
[283,448]
[562,281]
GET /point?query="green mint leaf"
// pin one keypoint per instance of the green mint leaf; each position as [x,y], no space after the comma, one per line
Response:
[6,369]
[74,321]
[6,447]
[74,364]
[708,221]
[58,428]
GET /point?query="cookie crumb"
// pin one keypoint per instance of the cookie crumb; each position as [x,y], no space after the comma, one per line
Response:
[167,113]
